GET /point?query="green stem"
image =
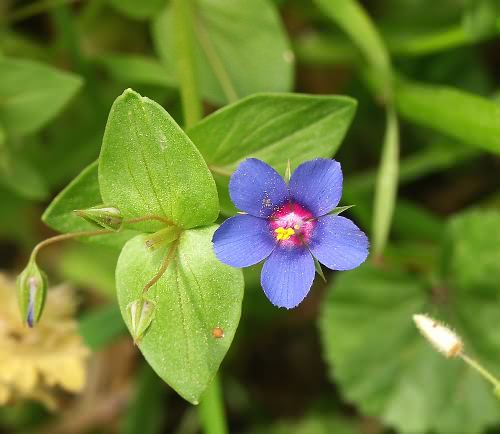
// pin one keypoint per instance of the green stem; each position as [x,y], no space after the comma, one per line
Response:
[65,237]
[211,410]
[482,371]
[186,61]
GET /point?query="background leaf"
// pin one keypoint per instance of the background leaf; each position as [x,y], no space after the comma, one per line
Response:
[462,115]
[196,294]
[31,94]
[274,128]
[473,250]
[137,69]
[138,9]
[233,59]
[352,18]
[366,328]
[148,166]
[387,184]
[101,326]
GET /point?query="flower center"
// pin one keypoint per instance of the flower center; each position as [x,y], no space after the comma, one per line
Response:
[292,224]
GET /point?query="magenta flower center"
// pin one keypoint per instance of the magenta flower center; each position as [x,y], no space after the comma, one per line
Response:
[292,224]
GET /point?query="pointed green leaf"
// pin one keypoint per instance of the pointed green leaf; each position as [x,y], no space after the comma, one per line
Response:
[319,269]
[82,192]
[467,117]
[148,166]
[233,59]
[195,295]
[388,370]
[274,128]
[31,94]
[387,184]
[340,209]
[353,19]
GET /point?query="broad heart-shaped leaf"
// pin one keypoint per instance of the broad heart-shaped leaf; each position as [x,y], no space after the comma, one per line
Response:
[196,294]
[148,166]
[242,48]
[472,250]
[274,128]
[81,193]
[389,371]
[31,94]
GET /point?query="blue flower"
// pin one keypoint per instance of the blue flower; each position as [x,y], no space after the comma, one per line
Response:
[287,225]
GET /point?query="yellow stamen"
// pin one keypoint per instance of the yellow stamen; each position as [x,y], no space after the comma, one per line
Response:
[296,227]
[284,233]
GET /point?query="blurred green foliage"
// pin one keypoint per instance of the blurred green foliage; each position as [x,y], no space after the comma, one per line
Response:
[423,74]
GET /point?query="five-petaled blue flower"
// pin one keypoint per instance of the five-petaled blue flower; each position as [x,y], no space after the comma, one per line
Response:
[288,225]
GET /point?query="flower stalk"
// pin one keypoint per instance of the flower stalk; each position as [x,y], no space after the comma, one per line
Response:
[448,343]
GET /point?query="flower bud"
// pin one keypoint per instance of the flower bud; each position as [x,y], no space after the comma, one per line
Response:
[141,313]
[31,292]
[442,338]
[104,216]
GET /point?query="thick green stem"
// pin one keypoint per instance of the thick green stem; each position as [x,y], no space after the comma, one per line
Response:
[211,410]
[186,61]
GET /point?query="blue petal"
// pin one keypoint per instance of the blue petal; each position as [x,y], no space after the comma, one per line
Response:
[257,188]
[338,243]
[287,276]
[243,240]
[317,185]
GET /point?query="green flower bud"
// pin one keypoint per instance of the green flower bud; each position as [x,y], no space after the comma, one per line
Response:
[104,216]
[141,313]
[31,292]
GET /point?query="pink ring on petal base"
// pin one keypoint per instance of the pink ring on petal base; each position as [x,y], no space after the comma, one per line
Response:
[294,216]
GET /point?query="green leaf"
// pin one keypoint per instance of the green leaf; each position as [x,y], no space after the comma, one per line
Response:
[196,294]
[137,69]
[138,9]
[472,250]
[274,128]
[32,94]
[101,326]
[413,222]
[464,116]
[148,166]
[146,409]
[352,18]
[385,367]
[233,59]
[22,178]
[387,184]
[479,19]
[82,192]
